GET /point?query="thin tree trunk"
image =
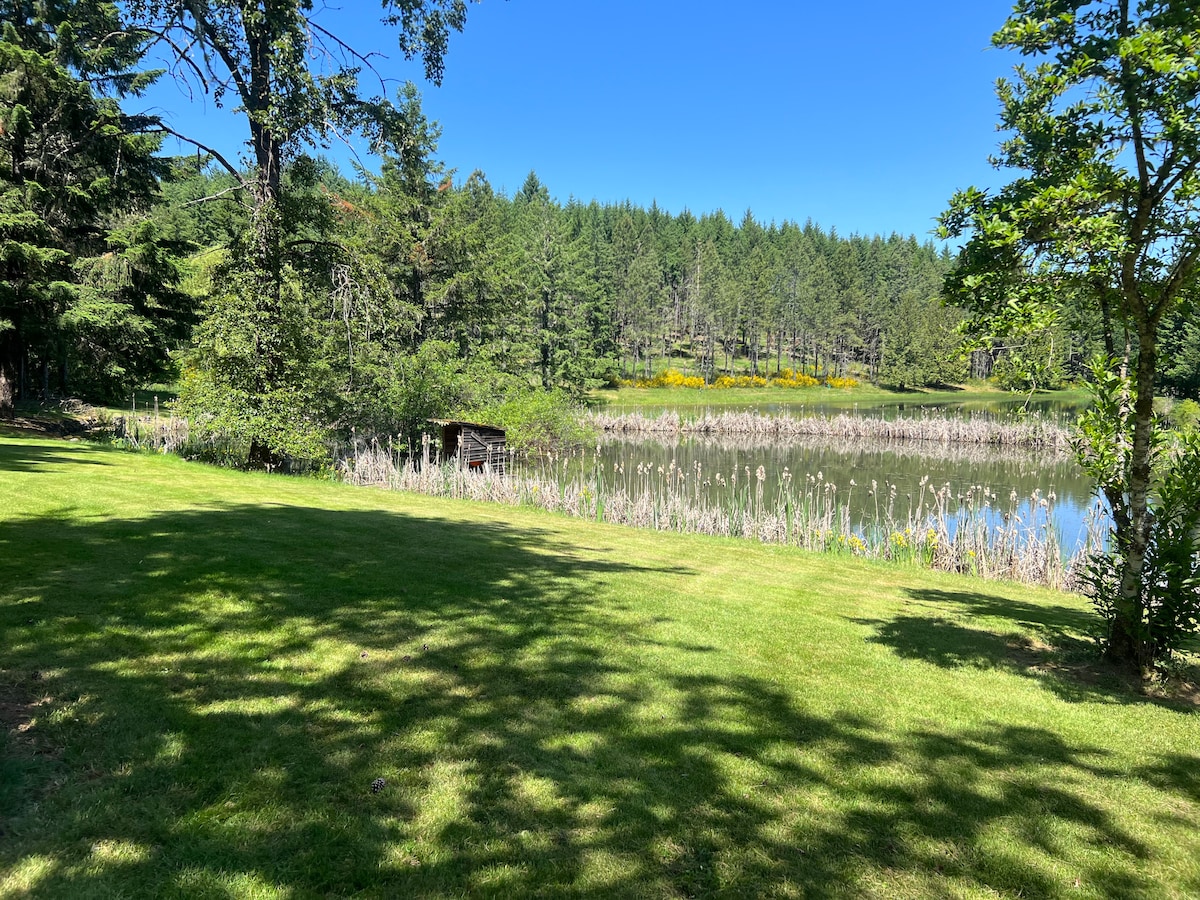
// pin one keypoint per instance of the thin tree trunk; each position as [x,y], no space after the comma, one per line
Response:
[1128,643]
[545,343]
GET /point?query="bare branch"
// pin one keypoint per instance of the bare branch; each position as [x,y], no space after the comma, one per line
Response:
[180,53]
[215,154]
[217,196]
[197,11]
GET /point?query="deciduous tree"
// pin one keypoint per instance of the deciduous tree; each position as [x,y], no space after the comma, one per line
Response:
[1104,124]
[297,84]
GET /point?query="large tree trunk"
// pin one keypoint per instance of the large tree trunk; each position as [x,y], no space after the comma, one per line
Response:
[544,361]
[267,231]
[10,356]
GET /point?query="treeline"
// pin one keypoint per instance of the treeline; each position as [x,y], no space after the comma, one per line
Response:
[374,300]
[581,294]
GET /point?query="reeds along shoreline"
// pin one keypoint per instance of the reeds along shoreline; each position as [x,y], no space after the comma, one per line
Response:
[767,443]
[974,532]
[946,429]
[163,434]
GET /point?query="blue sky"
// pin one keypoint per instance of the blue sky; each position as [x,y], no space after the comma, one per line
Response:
[862,116]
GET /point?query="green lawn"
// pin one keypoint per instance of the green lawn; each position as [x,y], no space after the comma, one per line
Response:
[203,672]
[865,396]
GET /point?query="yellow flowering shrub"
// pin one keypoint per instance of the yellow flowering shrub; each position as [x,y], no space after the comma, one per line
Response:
[669,378]
[789,378]
[676,379]
[739,381]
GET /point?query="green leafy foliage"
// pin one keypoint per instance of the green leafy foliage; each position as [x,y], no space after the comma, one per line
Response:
[1185,415]
[400,393]
[534,420]
[1100,225]
[1169,598]
[253,381]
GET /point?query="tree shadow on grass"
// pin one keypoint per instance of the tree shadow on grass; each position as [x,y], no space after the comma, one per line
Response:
[228,682]
[30,456]
[1045,642]
[1054,619]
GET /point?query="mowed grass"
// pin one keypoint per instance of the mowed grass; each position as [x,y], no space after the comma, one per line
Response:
[203,672]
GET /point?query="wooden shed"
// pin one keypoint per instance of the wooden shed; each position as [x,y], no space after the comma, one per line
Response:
[474,445]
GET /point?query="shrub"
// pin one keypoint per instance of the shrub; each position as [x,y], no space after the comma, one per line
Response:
[1185,415]
[533,419]
[739,381]
[1167,605]
[842,382]
[790,378]
[672,378]
[1170,595]
[668,378]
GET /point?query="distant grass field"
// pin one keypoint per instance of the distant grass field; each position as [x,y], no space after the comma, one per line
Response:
[865,396]
[204,672]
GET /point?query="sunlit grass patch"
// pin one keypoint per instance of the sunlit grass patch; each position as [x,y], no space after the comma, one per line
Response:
[249,686]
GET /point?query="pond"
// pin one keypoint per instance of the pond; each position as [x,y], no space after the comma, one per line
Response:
[866,475]
[965,504]
[869,487]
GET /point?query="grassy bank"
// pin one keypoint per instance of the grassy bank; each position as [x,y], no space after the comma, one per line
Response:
[866,396]
[205,671]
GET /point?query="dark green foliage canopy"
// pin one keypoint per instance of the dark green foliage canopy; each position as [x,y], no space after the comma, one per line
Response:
[88,289]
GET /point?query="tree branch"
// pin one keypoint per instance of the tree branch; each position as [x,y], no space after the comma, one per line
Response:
[215,154]
[197,11]
[217,196]
[181,53]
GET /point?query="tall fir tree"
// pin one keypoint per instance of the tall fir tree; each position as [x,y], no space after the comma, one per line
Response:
[88,301]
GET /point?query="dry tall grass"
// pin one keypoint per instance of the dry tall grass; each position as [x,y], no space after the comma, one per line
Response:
[929,427]
[974,531]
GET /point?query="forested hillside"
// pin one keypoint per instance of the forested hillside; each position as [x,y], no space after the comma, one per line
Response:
[378,297]
[583,294]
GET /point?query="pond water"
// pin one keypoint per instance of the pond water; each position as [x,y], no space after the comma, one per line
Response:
[875,481]
[1032,485]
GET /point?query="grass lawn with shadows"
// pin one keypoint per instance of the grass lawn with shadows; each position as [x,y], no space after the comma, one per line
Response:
[204,673]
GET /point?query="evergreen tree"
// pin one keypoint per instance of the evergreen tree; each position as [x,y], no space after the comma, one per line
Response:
[557,295]
[87,301]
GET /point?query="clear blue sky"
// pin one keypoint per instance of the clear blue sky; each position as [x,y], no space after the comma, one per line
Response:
[863,116]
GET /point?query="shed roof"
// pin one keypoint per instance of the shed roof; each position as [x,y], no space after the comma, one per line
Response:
[463,424]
